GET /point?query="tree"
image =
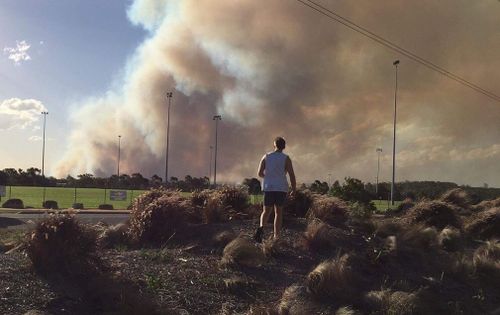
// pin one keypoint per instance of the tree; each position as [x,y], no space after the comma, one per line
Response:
[351,190]
[319,187]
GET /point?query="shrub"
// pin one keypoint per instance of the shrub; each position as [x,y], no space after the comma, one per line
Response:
[405,205]
[156,217]
[105,206]
[13,203]
[77,205]
[50,204]
[296,301]
[329,209]
[242,252]
[200,197]
[333,279]
[361,210]
[233,197]
[457,197]
[450,239]
[321,237]
[486,262]
[60,243]
[485,224]
[418,237]
[434,213]
[214,211]
[488,204]
[114,235]
[298,205]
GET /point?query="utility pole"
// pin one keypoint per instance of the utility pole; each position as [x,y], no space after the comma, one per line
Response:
[118,167]
[169,96]
[379,150]
[210,165]
[45,113]
[395,63]
[216,118]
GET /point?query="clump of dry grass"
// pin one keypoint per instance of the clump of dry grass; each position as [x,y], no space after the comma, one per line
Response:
[485,224]
[450,239]
[296,300]
[235,198]
[59,243]
[321,237]
[242,252]
[157,216]
[333,279]
[457,197]
[223,238]
[262,310]
[347,310]
[200,197]
[405,205]
[329,209]
[487,204]
[387,228]
[272,247]
[298,205]
[418,237]
[389,302]
[486,261]
[434,213]
[114,235]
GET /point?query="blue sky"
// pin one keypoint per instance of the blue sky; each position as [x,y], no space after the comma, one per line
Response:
[77,50]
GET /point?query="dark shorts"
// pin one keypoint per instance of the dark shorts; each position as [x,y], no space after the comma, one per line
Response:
[272,198]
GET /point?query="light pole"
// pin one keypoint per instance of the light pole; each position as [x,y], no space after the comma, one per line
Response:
[379,150]
[169,96]
[216,118]
[210,164]
[43,152]
[395,63]
[118,166]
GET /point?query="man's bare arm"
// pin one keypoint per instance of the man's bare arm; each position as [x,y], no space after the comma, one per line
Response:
[262,167]
[289,169]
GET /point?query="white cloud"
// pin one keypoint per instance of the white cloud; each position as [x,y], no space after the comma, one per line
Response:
[18,113]
[35,138]
[19,53]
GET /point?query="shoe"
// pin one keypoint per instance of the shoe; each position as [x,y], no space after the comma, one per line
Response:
[258,235]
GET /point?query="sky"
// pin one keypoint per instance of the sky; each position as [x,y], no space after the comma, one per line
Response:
[103,68]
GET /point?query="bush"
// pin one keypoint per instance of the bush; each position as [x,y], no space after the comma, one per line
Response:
[485,224]
[105,206]
[361,210]
[158,215]
[434,213]
[298,205]
[450,239]
[200,197]
[242,252]
[77,205]
[417,238]
[457,197]
[488,204]
[50,204]
[329,209]
[234,197]
[321,237]
[60,243]
[486,262]
[114,235]
[297,301]
[405,205]
[333,279]
[13,203]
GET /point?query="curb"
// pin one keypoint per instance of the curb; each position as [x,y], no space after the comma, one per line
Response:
[63,211]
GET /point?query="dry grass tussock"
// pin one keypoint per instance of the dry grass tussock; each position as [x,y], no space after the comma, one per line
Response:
[157,216]
[298,205]
[272,247]
[334,280]
[329,209]
[389,302]
[418,237]
[484,224]
[388,228]
[321,237]
[457,197]
[223,238]
[296,300]
[487,204]
[450,239]
[486,261]
[111,236]
[235,198]
[434,213]
[242,252]
[347,310]
[405,205]
[59,243]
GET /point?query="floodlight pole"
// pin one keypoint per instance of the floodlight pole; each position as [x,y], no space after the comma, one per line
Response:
[118,165]
[216,118]
[210,165]
[395,63]
[169,96]
[379,150]
[45,113]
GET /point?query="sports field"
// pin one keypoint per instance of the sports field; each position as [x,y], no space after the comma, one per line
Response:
[65,197]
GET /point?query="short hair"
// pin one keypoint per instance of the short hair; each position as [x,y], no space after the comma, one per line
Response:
[280,143]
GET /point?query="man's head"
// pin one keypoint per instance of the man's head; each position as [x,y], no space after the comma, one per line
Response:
[279,143]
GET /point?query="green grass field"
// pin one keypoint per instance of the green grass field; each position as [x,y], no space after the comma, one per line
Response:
[65,197]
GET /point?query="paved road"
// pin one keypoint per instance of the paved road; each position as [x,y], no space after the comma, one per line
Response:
[17,220]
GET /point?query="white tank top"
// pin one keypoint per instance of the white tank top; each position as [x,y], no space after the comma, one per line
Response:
[274,172]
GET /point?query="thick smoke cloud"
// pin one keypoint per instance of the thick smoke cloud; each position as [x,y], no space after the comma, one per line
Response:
[278,68]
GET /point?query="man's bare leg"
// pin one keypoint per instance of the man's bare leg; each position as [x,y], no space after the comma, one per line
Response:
[264,217]
[278,220]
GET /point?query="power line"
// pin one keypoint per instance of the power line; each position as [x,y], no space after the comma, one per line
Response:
[363,31]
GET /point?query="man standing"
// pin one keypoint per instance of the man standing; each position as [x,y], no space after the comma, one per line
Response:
[273,168]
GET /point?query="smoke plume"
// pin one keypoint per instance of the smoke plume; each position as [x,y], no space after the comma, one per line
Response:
[279,68]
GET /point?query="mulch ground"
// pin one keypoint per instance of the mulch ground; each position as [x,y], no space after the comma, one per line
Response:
[178,279]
